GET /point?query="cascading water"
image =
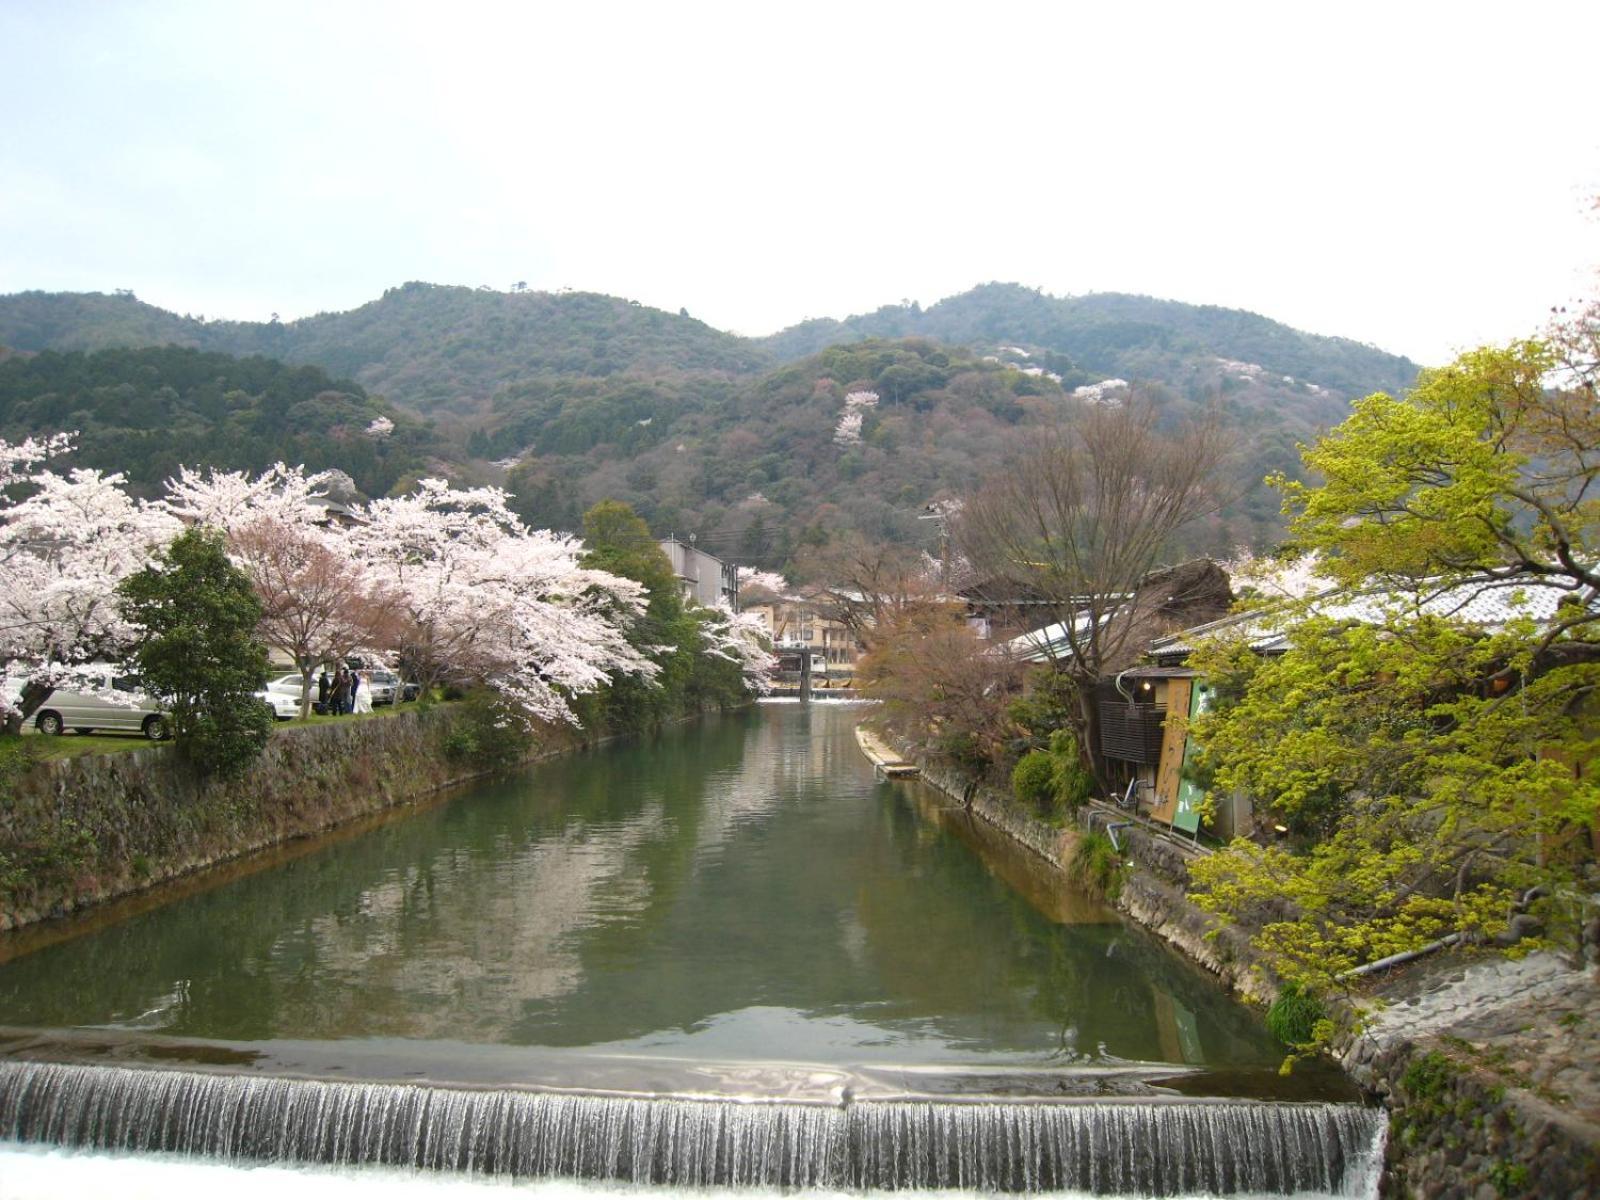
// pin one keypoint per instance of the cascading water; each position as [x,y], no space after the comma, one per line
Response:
[1150,1148]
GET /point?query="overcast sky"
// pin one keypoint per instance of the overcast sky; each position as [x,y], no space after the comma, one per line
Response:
[1421,177]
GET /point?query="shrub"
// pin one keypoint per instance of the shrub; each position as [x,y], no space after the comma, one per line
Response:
[1294,1015]
[1096,866]
[1072,784]
[1033,778]
[487,732]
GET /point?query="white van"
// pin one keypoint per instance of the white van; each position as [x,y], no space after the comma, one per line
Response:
[96,704]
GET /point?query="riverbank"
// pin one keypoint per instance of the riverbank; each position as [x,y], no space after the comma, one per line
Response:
[77,832]
[1489,1068]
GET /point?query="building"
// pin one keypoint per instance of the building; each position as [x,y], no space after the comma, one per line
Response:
[796,624]
[1139,743]
[704,578]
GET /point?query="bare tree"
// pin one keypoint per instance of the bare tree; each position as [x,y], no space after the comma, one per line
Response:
[1081,523]
[939,683]
[864,585]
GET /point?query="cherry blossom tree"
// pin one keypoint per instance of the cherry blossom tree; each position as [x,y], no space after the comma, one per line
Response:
[17,459]
[319,603]
[63,549]
[760,583]
[742,640]
[231,500]
[485,600]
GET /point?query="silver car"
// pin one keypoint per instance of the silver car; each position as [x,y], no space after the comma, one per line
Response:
[385,685]
[94,704]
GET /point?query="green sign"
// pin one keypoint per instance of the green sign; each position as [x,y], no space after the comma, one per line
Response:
[1187,816]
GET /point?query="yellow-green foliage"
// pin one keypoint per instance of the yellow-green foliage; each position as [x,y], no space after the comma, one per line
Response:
[1032,779]
[1423,765]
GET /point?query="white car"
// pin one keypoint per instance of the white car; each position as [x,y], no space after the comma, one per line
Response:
[284,706]
[290,685]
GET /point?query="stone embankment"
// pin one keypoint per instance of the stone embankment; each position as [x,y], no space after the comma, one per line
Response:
[1490,1067]
[80,831]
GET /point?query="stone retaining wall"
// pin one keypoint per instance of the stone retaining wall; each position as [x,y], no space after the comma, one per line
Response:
[1489,1068]
[79,831]
[1154,894]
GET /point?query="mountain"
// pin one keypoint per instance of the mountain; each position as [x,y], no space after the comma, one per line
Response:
[433,349]
[575,397]
[145,412]
[1112,334]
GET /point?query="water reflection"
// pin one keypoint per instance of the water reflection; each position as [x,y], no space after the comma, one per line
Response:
[740,889]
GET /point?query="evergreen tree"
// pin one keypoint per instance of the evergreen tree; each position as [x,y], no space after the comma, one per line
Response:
[197,651]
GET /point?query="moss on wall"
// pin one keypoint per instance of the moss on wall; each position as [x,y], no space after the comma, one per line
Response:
[75,832]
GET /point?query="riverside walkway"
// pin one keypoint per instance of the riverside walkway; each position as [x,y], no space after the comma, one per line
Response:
[886,761]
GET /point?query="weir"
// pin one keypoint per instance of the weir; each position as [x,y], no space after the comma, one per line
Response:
[1145,1148]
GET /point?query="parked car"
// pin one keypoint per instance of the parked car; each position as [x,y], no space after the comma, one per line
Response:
[284,706]
[101,704]
[290,685]
[385,686]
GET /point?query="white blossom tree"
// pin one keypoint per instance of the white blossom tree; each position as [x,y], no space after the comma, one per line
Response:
[851,417]
[760,583]
[230,500]
[485,600]
[64,548]
[319,603]
[742,640]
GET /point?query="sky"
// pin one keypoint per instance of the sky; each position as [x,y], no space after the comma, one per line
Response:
[1421,177]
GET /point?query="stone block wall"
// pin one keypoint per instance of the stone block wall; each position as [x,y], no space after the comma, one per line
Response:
[74,832]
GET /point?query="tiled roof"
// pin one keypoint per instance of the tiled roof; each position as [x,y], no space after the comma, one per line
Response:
[1488,604]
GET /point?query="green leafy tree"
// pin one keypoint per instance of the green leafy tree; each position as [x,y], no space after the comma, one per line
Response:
[197,654]
[620,542]
[1432,767]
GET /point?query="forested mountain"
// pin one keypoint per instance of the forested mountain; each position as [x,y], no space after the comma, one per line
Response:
[146,412]
[429,348]
[1112,334]
[573,398]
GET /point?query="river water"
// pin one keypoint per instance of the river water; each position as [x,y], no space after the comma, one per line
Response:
[735,907]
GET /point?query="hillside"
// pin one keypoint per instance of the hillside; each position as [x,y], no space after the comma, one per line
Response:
[575,397]
[432,349]
[1111,334]
[146,412]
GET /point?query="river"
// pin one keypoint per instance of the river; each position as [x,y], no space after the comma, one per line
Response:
[734,908]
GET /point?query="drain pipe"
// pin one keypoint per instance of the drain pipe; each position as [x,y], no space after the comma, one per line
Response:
[1111,832]
[1394,960]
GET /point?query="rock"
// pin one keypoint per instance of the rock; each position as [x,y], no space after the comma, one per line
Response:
[1523,925]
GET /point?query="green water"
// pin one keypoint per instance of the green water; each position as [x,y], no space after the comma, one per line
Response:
[738,890]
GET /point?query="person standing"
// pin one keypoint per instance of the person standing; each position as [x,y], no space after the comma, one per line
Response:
[355,691]
[361,683]
[340,695]
[324,686]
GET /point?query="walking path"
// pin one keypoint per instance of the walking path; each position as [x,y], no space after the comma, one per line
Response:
[883,758]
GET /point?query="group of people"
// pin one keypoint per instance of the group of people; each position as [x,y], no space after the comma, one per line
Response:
[345,691]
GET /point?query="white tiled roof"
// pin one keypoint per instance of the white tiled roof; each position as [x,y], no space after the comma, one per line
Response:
[1488,604]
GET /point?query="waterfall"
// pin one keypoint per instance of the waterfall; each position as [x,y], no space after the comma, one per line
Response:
[1137,1147]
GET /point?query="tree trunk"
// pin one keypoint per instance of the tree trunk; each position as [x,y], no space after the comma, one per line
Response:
[1088,733]
[33,695]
